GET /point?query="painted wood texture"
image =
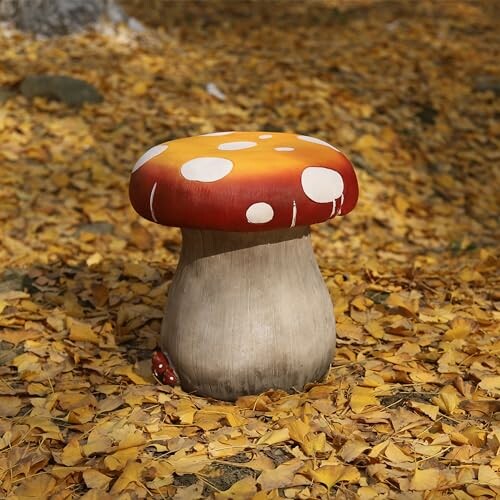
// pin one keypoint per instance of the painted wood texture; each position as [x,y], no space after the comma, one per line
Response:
[243,181]
[247,312]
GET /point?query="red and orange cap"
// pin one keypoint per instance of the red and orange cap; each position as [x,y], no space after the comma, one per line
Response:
[243,181]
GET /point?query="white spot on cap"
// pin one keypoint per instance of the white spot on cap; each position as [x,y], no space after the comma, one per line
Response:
[150,153]
[321,184]
[316,141]
[341,203]
[294,214]
[284,149]
[206,169]
[265,136]
[233,146]
[214,134]
[259,213]
[151,199]
[334,206]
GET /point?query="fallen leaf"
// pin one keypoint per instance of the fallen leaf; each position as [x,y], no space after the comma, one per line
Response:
[491,384]
[395,455]
[95,479]
[72,453]
[362,397]
[352,449]
[448,400]
[10,406]
[273,437]
[425,480]
[131,474]
[82,332]
[431,411]
[118,460]
[129,372]
[460,329]
[18,336]
[375,329]
[281,476]
[94,259]
[39,486]
[329,475]
[244,489]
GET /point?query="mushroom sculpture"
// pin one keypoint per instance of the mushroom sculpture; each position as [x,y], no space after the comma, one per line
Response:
[247,309]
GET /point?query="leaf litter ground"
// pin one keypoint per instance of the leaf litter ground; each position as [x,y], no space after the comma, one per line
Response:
[409,407]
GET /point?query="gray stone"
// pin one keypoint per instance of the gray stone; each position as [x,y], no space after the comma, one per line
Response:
[487,83]
[71,91]
[96,228]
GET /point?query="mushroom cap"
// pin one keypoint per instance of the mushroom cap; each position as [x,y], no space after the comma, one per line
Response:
[243,181]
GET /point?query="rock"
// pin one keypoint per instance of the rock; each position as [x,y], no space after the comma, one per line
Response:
[96,228]
[71,91]
[12,280]
[487,83]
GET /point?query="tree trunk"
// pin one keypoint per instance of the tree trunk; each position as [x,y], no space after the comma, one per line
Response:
[54,17]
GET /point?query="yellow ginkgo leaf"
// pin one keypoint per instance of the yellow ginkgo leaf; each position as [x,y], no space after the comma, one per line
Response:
[330,475]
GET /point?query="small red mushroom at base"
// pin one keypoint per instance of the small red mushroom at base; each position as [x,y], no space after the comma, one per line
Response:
[162,369]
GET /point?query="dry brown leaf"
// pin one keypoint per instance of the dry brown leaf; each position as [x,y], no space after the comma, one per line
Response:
[72,453]
[244,489]
[375,329]
[281,476]
[82,332]
[228,447]
[94,259]
[61,472]
[39,486]
[118,459]
[257,403]
[260,462]
[460,329]
[491,384]
[95,479]
[329,475]
[188,464]
[10,406]
[352,449]
[129,372]
[46,425]
[471,275]
[298,430]
[395,454]
[487,476]
[448,400]
[425,480]
[16,337]
[193,492]
[362,397]
[273,437]
[131,474]
[431,411]
[404,302]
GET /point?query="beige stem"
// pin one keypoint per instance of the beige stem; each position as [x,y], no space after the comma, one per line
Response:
[247,312]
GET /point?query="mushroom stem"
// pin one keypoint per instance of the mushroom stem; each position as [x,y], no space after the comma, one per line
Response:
[247,312]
